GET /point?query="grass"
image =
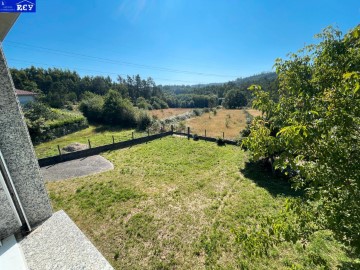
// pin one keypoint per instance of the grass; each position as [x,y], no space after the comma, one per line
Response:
[98,136]
[254,112]
[177,204]
[231,122]
[166,113]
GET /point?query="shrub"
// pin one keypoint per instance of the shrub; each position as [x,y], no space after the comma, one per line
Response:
[60,123]
[181,126]
[156,106]
[92,107]
[227,122]
[118,111]
[195,137]
[37,128]
[143,121]
[36,110]
[155,126]
[197,112]
[142,103]
[245,132]
[158,103]
[206,110]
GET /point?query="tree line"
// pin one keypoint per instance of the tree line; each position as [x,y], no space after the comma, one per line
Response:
[63,88]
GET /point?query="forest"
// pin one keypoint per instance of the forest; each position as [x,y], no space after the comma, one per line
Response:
[63,88]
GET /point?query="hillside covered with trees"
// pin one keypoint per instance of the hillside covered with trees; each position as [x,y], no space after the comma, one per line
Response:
[62,88]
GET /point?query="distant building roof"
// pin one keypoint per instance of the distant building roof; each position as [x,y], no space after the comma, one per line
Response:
[24,93]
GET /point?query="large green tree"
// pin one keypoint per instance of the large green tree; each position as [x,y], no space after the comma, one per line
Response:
[312,133]
[118,111]
[235,98]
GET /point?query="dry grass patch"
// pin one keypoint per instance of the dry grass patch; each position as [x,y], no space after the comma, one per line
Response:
[166,113]
[254,112]
[231,122]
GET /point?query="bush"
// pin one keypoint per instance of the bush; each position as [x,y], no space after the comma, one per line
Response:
[158,103]
[36,110]
[92,107]
[197,112]
[58,123]
[206,110]
[118,111]
[195,137]
[245,132]
[143,121]
[156,106]
[142,103]
[155,127]
[181,127]
[227,122]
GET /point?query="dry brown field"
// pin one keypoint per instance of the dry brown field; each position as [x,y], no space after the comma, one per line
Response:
[231,122]
[166,113]
[254,112]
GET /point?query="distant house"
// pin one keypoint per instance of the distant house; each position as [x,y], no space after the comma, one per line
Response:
[25,96]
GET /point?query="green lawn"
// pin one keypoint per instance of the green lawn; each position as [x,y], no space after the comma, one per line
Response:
[97,135]
[177,204]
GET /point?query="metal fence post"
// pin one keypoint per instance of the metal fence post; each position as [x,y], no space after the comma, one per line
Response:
[58,147]
[113,139]
[89,143]
[132,135]
[223,135]
[188,131]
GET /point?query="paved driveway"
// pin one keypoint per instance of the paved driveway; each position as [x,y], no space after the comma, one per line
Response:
[76,168]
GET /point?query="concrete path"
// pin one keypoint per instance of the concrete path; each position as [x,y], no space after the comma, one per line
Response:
[76,168]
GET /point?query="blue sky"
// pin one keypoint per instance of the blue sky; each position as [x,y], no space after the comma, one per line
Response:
[173,41]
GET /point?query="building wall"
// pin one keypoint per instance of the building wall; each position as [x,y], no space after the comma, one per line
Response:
[18,152]
[25,99]
[8,222]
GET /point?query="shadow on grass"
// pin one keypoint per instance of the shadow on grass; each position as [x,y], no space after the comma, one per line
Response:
[103,128]
[262,176]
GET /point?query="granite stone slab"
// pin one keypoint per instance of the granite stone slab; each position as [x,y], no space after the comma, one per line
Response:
[59,244]
[8,221]
[18,152]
